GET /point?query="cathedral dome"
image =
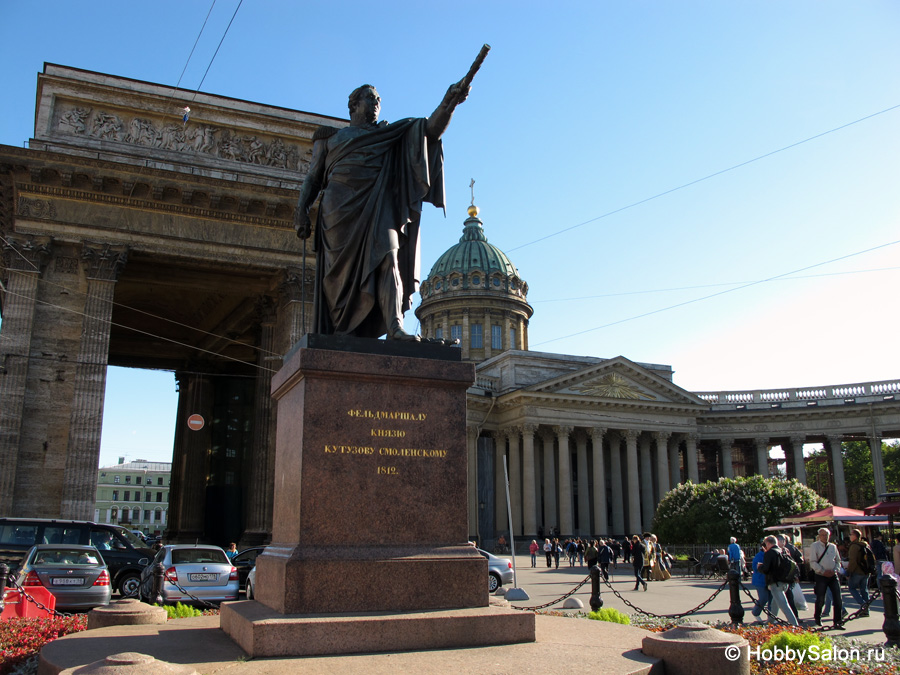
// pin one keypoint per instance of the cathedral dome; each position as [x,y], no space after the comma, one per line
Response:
[474,295]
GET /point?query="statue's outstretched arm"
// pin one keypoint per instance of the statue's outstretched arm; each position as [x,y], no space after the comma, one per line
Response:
[456,94]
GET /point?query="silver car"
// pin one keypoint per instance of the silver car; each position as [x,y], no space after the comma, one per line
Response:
[76,575]
[500,570]
[193,573]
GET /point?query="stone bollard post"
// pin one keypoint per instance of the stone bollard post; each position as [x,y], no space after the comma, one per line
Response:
[130,663]
[126,612]
[735,609]
[694,647]
[596,600]
[891,625]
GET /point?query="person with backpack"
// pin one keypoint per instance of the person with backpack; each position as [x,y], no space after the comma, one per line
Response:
[779,571]
[825,562]
[860,565]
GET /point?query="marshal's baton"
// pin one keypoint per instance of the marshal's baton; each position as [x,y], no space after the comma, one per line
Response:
[476,64]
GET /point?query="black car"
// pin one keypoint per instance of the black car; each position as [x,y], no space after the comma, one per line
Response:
[121,550]
[245,561]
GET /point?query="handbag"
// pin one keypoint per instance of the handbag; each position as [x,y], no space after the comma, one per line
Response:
[799,598]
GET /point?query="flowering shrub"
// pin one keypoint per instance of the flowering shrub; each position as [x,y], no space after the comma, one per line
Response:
[609,614]
[730,507]
[21,639]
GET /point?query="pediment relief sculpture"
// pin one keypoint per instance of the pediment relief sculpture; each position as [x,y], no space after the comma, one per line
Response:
[612,385]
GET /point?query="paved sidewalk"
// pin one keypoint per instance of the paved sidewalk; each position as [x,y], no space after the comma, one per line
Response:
[676,595]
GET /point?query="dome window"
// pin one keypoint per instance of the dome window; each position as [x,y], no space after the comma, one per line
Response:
[476,280]
[437,285]
[455,282]
[496,282]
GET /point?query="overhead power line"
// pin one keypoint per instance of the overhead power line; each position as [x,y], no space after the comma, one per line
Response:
[700,180]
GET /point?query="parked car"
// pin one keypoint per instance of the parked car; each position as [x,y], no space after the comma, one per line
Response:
[77,576]
[245,561]
[192,572]
[250,588]
[500,570]
[121,550]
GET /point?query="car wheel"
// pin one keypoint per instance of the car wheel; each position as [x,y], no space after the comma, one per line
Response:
[493,582]
[130,585]
[249,590]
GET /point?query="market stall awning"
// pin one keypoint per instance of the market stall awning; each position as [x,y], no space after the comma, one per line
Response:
[830,513]
[883,508]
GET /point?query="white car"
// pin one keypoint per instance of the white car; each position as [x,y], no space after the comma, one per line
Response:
[192,573]
[250,588]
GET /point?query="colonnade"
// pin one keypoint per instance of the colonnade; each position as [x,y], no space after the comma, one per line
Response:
[596,480]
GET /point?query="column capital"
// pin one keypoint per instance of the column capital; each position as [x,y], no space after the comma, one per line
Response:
[472,432]
[26,254]
[103,262]
[835,438]
[512,431]
[695,437]
[727,442]
[294,286]
[529,428]
[630,434]
[561,430]
[662,437]
[265,310]
[761,440]
[597,433]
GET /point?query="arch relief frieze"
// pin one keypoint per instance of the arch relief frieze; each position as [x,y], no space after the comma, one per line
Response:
[203,139]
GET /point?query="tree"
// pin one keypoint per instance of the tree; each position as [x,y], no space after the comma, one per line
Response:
[730,507]
[858,475]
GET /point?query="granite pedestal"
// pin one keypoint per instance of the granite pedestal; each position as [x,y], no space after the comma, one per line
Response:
[370,508]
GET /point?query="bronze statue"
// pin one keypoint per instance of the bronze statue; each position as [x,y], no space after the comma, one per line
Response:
[373,177]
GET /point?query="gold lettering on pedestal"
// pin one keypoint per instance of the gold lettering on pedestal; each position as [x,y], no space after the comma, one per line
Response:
[392,454]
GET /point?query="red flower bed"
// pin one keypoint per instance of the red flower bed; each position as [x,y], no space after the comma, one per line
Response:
[22,638]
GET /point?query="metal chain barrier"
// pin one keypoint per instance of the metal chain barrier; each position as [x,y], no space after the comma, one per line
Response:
[764,609]
[548,604]
[666,616]
[190,595]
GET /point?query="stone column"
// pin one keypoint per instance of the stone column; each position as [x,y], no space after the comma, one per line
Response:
[634,485]
[877,465]
[726,445]
[529,503]
[799,461]
[551,515]
[472,469]
[506,326]
[762,456]
[601,519]
[646,472]
[466,338]
[515,479]
[837,461]
[693,471]
[617,481]
[295,309]
[674,461]
[103,264]
[566,514]
[190,461]
[662,462]
[487,335]
[501,518]
[259,464]
[584,496]
[24,261]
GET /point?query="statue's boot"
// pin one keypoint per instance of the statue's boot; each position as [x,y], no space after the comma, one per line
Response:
[396,332]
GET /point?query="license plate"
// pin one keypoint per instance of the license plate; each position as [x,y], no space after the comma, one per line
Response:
[203,577]
[66,581]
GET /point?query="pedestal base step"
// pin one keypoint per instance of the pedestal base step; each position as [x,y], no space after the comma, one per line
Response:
[263,632]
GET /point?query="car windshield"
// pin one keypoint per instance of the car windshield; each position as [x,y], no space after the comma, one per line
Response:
[65,557]
[185,556]
[131,538]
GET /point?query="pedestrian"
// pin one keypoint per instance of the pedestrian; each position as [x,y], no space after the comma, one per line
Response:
[734,555]
[580,545]
[637,558]
[617,551]
[557,551]
[785,550]
[533,548]
[778,572]
[763,597]
[231,551]
[592,553]
[659,572]
[626,550]
[857,571]
[881,554]
[825,562]
[604,556]
[548,551]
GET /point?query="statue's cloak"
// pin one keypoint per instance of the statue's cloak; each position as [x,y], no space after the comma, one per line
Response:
[374,184]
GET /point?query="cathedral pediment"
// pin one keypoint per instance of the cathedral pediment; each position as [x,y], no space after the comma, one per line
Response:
[616,379]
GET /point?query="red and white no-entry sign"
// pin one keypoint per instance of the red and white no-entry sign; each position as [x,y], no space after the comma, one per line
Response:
[195,422]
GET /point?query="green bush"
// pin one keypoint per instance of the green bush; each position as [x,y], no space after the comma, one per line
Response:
[180,611]
[611,615]
[799,642]
[730,507]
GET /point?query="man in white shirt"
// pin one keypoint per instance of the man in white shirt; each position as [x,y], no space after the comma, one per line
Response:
[825,562]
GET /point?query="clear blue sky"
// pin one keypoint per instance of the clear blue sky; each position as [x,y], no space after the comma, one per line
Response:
[582,109]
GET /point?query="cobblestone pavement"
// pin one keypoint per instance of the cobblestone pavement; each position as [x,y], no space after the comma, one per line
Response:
[673,596]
